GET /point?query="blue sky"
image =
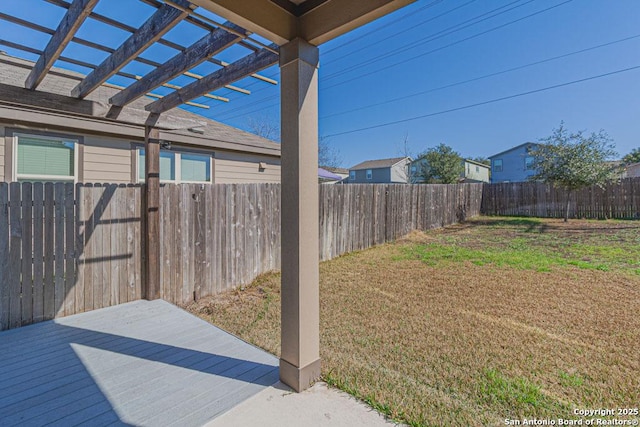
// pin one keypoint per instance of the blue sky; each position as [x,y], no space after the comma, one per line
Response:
[413,54]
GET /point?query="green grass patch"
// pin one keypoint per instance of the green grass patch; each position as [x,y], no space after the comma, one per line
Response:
[515,255]
[532,244]
[570,380]
[518,394]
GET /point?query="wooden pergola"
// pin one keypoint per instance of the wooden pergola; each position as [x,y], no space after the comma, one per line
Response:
[296,28]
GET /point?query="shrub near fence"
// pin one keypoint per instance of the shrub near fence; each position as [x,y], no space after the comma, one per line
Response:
[619,200]
[67,248]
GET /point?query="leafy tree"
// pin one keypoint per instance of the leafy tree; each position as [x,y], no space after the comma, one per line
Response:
[574,160]
[440,164]
[482,160]
[632,157]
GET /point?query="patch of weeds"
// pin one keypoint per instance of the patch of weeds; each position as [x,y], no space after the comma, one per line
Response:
[570,380]
[268,299]
[516,393]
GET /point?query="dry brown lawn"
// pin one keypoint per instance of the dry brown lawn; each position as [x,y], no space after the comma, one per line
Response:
[473,324]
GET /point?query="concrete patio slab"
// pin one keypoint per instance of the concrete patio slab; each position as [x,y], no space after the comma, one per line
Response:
[278,406]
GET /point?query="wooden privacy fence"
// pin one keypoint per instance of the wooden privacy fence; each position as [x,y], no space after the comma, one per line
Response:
[67,248]
[619,200]
[358,216]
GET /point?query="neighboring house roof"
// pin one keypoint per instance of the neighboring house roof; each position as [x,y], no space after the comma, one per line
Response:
[325,174]
[341,171]
[477,163]
[54,94]
[513,148]
[378,164]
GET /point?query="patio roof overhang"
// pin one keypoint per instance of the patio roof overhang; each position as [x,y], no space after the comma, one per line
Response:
[296,28]
[316,21]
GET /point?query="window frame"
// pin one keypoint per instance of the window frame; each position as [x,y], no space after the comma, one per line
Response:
[369,174]
[528,166]
[494,167]
[352,175]
[178,165]
[39,177]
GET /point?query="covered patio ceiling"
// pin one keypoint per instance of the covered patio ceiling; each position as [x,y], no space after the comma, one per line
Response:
[268,32]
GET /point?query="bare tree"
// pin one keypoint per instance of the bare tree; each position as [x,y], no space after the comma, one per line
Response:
[328,155]
[410,173]
[265,127]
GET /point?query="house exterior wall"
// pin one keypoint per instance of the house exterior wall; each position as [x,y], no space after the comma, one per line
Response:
[475,172]
[230,167]
[633,170]
[378,176]
[2,148]
[111,159]
[107,160]
[513,165]
[399,173]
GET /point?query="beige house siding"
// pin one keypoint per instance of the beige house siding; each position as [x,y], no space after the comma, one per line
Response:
[245,168]
[2,153]
[107,160]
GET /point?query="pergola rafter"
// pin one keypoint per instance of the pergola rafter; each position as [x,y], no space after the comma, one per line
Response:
[210,44]
[160,23]
[106,49]
[168,43]
[72,20]
[250,64]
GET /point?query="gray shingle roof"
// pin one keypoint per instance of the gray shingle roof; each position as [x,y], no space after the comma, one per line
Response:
[377,164]
[54,93]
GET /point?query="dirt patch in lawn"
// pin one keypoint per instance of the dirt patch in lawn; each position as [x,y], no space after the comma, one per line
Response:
[430,335]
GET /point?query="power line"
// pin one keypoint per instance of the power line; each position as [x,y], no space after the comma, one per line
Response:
[450,44]
[412,13]
[425,53]
[431,37]
[366,34]
[497,73]
[483,103]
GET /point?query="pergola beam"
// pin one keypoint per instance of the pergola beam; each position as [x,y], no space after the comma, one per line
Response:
[155,27]
[242,68]
[72,20]
[197,53]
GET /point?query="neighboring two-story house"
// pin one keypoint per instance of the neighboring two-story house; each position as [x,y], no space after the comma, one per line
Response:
[514,164]
[382,171]
[472,171]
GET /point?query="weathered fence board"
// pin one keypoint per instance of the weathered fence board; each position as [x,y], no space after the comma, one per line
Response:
[4,256]
[619,200]
[66,248]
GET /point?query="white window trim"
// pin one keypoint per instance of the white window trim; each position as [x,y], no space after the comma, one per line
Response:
[352,175]
[178,167]
[369,174]
[15,176]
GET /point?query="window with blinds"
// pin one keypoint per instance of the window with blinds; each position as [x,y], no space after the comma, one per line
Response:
[45,159]
[179,167]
